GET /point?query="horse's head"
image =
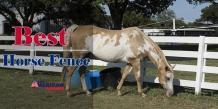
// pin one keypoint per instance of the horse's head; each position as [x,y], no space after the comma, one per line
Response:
[166,79]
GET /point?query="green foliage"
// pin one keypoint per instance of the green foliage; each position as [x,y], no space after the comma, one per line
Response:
[165,20]
[202,1]
[165,15]
[121,12]
[66,12]
[146,8]
[131,18]
[25,9]
[63,12]
[85,12]
[150,7]
[210,13]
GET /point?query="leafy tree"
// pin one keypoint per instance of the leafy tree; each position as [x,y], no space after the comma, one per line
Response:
[210,13]
[202,1]
[83,12]
[131,18]
[147,8]
[165,20]
[63,12]
[22,12]
[165,15]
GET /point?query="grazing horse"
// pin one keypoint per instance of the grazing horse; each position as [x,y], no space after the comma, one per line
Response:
[129,45]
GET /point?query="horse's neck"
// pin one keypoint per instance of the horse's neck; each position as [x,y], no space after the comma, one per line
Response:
[158,63]
[157,57]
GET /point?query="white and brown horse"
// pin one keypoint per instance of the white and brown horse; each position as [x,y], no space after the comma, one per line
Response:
[129,45]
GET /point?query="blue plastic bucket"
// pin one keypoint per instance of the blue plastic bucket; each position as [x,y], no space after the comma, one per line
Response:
[93,79]
[75,79]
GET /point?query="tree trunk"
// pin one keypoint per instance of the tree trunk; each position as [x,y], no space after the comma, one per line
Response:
[117,19]
[117,10]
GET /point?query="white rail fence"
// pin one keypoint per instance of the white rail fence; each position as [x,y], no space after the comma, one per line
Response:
[200,69]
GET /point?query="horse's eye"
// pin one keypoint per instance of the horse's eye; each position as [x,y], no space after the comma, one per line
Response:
[167,78]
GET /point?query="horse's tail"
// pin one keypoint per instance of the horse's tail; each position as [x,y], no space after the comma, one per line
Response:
[66,48]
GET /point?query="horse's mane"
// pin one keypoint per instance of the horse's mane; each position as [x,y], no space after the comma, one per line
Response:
[157,49]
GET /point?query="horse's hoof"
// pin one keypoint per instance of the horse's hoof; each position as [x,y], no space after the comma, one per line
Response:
[119,93]
[142,94]
[89,93]
[69,94]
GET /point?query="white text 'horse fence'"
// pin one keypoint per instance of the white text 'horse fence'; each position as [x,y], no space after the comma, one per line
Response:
[200,69]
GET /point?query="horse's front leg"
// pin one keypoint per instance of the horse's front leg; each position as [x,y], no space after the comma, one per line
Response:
[137,73]
[69,71]
[126,71]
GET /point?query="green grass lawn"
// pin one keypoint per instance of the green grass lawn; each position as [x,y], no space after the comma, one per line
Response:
[16,93]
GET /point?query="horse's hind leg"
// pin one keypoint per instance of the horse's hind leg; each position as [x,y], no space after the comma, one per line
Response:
[137,73]
[82,71]
[69,71]
[127,70]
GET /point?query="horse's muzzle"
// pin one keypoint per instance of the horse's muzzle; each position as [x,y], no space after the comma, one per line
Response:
[169,93]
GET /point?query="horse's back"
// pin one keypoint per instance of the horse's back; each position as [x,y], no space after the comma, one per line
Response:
[108,45]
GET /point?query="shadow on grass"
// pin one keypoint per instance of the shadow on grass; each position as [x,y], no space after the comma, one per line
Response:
[77,93]
[47,73]
[177,89]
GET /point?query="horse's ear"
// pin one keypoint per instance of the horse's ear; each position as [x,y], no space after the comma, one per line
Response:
[173,66]
[167,68]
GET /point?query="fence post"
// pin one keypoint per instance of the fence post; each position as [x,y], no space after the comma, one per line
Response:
[200,64]
[32,54]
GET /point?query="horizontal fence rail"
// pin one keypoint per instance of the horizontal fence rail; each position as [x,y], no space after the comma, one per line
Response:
[200,68]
